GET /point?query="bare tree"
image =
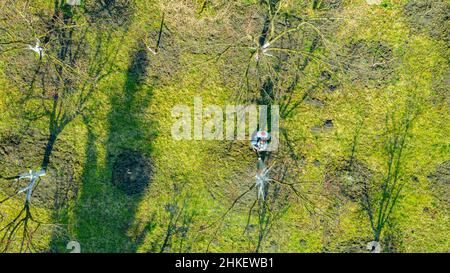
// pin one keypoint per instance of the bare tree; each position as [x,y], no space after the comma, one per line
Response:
[276,57]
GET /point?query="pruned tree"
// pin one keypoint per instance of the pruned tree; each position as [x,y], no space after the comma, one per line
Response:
[267,61]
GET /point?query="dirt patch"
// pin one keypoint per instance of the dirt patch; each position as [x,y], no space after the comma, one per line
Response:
[22,152]
[132,172]
[328,82]
[370,63]
[110,12]
[431,16]
[166,64]
[441,90]
[356,245]
[326,126]
[391,243]
[315,102]
[440,182]
[350,179]
[329,4]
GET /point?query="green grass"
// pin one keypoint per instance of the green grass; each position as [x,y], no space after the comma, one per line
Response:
[203,178]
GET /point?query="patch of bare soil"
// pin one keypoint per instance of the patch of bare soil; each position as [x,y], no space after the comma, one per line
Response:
[350,179]
[329,4]
[440,182]
[440,88]
[370,63]
[110,12]
[431,16]
[21,153]
[355,245]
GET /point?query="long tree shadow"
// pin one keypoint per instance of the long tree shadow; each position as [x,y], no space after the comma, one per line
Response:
[110,195]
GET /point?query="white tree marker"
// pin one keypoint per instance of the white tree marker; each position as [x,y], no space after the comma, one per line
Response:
[37,48]
[33,176]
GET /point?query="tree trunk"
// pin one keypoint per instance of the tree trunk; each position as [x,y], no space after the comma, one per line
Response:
[48,149]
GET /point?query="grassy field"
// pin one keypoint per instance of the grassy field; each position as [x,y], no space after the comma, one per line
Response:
[374,65]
